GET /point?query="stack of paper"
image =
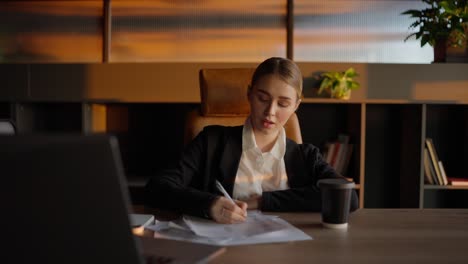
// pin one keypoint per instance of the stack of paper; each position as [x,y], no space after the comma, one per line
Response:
[258,228]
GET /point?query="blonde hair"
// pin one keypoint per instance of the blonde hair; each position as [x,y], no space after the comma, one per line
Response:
[285,69]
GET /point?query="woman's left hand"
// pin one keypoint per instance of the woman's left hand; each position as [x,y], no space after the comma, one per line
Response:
[253,202]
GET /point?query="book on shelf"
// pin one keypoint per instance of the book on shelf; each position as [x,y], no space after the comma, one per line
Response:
[330,148]
[348,154]
[442,171]
[340,158]
[334,157]
[428,171]
[338,153]
[458,181]
[343,138]
[435,160]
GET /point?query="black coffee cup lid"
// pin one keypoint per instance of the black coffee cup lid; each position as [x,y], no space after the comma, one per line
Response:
[336,183]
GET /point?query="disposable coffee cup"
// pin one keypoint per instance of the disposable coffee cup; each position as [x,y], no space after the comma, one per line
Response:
[336,202]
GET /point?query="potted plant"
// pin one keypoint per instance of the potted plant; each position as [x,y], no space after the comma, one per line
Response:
[339,84]
[441,24]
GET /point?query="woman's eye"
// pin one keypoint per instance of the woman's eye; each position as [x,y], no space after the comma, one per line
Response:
[283,104]
[263,98]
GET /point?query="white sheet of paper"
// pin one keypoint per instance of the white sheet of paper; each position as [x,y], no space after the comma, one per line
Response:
[255,224]
[288,234]
[179,230]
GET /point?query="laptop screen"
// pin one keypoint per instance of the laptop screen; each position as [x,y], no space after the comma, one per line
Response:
[64,200]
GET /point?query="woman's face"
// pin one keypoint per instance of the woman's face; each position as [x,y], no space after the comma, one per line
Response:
[272,102]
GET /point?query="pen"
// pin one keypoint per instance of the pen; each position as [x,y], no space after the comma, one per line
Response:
[221,189]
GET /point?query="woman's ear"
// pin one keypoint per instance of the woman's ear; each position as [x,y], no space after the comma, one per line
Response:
[249,90]
[297,104]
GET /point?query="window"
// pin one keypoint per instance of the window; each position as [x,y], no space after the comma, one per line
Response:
[356,31]
[45,31]
[195,31]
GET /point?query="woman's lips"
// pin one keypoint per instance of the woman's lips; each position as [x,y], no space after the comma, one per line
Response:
[267,123]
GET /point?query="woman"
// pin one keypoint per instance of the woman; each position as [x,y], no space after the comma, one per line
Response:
[255,163]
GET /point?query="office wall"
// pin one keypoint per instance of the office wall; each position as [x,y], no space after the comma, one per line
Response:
[178,82]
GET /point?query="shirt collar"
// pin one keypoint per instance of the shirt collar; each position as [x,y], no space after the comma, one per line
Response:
[248,141]
[248,138]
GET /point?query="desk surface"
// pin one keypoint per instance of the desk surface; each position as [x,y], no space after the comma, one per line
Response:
[373,236]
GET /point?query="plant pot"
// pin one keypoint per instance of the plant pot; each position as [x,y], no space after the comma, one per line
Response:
[440,50]
[343,96]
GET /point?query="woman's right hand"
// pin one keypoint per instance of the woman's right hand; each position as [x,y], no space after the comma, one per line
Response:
[225,212]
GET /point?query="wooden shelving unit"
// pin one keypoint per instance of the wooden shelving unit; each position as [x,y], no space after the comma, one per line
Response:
[145,105]
[446,187]
[47,117]
[388,135]
[393,134]
[447,125]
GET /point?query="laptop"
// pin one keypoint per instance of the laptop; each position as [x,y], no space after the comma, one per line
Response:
[65,200]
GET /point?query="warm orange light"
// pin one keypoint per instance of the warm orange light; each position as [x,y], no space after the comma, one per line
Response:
[138,231]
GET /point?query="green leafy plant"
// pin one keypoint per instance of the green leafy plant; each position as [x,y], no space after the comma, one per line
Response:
[339,84]
[442,21]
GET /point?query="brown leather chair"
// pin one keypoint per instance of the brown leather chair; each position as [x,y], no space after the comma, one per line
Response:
[224,102]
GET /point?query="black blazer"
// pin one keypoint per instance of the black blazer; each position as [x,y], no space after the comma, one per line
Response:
[189,187]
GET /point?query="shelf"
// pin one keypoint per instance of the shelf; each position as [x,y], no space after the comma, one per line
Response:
[445,197]
[319,100]
[145,104]
[444,187]
[447,126]
[388,138]
[392,151]
[56,117]
[351,101]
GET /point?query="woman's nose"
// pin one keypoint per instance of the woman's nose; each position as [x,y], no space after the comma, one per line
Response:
[270,109]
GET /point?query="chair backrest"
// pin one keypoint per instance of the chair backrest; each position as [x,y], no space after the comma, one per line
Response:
[7,127]
[224,102]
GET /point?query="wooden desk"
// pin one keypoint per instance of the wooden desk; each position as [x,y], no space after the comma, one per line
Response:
[394,236]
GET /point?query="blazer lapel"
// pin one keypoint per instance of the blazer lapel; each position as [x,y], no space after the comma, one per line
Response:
[295,166]
[230,159]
